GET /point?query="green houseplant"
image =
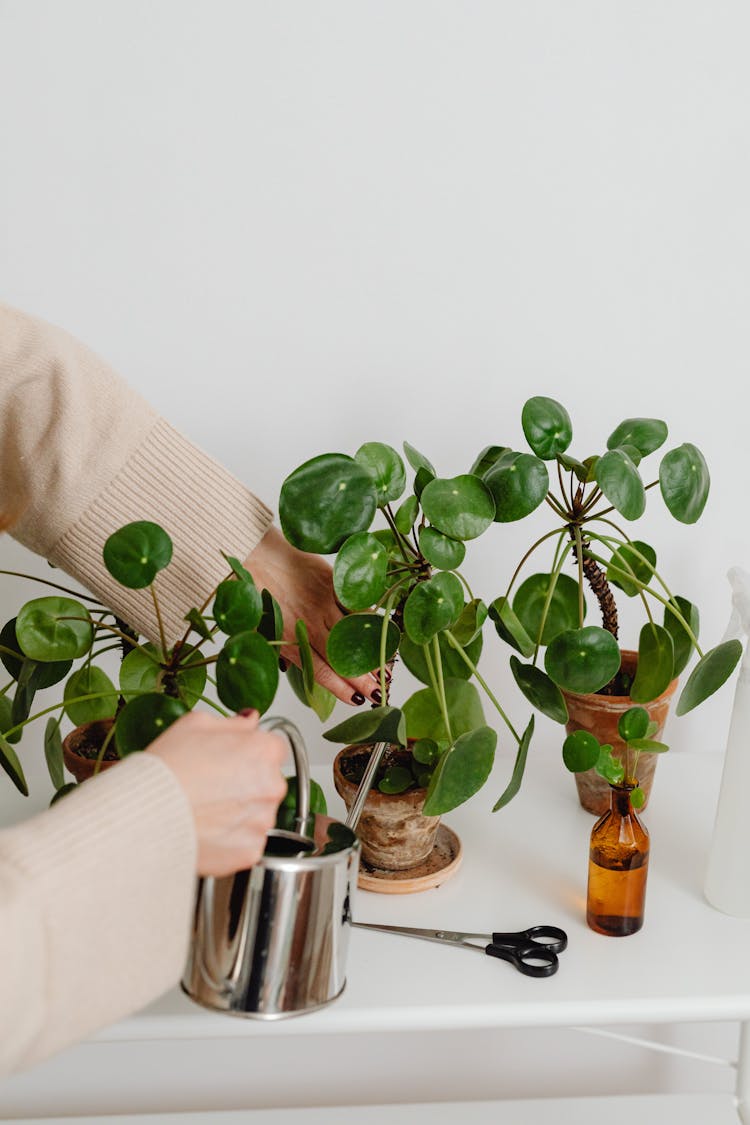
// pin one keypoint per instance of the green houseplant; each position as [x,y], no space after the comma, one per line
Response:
[587,501]
[404,596]
[58,640]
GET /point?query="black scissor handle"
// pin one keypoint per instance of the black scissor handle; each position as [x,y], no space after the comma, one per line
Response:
[551,938]
[530,958]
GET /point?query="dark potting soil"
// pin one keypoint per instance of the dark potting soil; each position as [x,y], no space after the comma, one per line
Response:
[620,684]
[354,765]
[91,751]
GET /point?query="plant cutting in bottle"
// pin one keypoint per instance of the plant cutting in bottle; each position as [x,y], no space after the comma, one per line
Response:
[583,751]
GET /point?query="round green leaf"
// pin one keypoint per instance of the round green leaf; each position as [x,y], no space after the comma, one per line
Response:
[425,751]
[10,763]
[360,571]
[271,624]
[418,460]
[432,606]
[89,680]
[320,700]
[247,672]
[633,724]
[488,458]
[144,719]
[631,567]
[540,691]
[637,798]
[453,666]
[547,427]
[583,660]
[470,622]
[353,646]
[711,671]
[44,675]
[424,718]
[461,507]
[325,501]
[52,629]
[580,751]
[440,550]
[509,628]
[683,644]
[621,483]
[141,672]
[644,434]
[685,482]
[609,767]
[53,753]
[462,771]
[136,553]
[238,605]
[519,768]
[655,670]
[562,611]
[406,515]
[386,469]
[397,779]
[380,724]
[421,480]
[518,485]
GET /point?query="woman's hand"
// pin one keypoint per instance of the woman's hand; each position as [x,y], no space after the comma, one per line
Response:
[230,771]
[303,586]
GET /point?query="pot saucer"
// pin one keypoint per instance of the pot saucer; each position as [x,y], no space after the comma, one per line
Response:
[443,861]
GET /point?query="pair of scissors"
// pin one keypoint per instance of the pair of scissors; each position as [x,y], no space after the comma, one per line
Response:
[533,952]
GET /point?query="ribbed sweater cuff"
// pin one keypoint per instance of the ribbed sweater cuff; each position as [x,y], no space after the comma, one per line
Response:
[204,509]
[110,878]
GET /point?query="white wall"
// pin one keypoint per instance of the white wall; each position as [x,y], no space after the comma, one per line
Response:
[299,226]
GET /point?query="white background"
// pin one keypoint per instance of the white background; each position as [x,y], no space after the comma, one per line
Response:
[299,226]
[296,227]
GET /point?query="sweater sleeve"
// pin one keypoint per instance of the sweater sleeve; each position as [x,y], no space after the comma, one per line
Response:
[96,897]
[81,454]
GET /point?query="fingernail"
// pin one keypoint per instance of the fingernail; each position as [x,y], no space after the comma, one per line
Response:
[376,697]
[248,712]
[283,664]
[358,698]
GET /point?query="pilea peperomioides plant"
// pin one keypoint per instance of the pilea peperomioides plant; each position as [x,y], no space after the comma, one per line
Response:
[405,595]
[588,500]
[157,683]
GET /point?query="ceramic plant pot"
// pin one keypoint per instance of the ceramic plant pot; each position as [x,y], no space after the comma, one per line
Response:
[394,834]
[600,714]
[88,737]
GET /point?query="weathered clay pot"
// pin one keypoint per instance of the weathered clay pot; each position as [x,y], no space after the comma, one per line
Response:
[88,734]
[393,833]
[600,714]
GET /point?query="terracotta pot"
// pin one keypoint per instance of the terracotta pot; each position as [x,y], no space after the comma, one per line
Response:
[600,714]
[88,734]
[392,830]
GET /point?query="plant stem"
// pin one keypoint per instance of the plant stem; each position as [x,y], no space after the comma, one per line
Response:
[579,555]
[216,707]
[461,578]
[57,586]
[59,707]
[7,687]
[157,610]
[557,507]
[528,555]
[100,756]
[475,672]
[401,541]
[441,687]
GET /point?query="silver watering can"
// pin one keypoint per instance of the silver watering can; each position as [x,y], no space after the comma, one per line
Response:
[272,941]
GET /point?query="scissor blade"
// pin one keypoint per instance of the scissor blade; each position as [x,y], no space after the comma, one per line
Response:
[443,937]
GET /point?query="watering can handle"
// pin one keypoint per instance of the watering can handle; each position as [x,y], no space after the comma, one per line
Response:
[301,767]
[302,770]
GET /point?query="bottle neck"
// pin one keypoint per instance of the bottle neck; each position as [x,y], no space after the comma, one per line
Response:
[620,799]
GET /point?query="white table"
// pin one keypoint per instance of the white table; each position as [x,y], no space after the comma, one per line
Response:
[524,865]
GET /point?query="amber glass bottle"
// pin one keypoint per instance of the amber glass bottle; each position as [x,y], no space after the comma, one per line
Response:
[618,867]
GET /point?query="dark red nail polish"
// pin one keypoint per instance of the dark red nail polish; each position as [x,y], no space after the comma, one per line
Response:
[283,664]
[247,712]
[358,698]
[376,697]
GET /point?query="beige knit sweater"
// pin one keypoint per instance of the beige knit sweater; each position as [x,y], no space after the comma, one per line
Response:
[96,893]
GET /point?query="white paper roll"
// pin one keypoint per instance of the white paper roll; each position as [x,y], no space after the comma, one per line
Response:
[727,885]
